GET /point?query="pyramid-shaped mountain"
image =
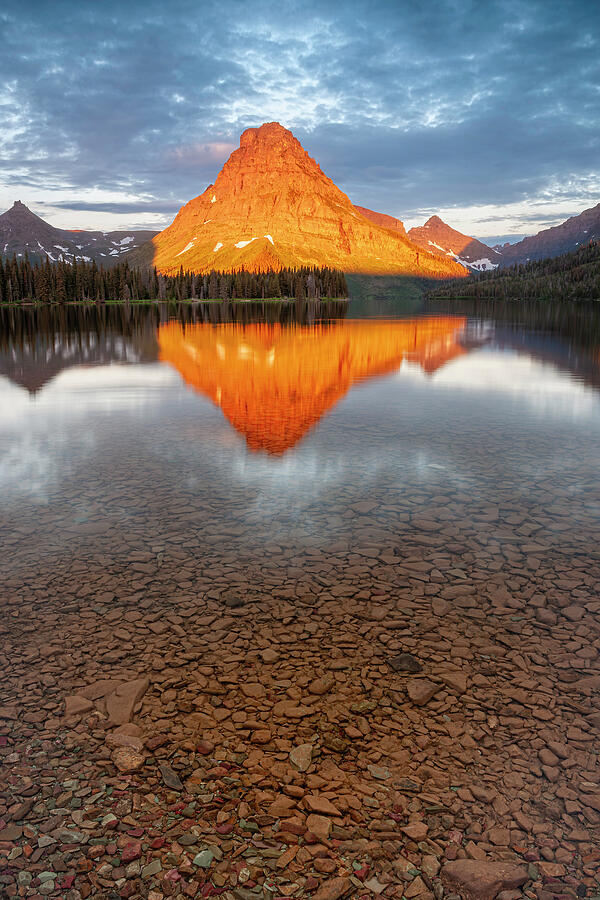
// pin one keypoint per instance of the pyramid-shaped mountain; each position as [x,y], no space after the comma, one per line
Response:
[271,207]
[442,240]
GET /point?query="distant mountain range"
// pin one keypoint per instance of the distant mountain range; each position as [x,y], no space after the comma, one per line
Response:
[21,231]
[564,238]
[271,207]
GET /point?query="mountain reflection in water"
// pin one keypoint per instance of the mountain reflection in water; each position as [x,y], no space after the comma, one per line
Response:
[273,383]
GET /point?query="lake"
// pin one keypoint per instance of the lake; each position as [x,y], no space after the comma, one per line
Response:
[261,558]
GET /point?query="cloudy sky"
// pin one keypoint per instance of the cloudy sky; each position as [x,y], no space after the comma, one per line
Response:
[114,114]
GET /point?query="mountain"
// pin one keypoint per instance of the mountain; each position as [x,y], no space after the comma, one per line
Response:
[444,241]
[574,233]
[21,232]
[272,206]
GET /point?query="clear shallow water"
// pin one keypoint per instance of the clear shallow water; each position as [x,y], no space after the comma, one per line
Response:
[202,494]
[263,444]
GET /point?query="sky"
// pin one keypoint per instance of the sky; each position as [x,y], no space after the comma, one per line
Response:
[113,115]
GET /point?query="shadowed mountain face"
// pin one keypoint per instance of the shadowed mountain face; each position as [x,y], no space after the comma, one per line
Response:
[270,207]
[21,232]
[444,241]
[564,238]
[273,384]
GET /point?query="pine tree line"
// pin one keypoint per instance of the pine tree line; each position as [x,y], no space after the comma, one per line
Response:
[571,276]
[66,282]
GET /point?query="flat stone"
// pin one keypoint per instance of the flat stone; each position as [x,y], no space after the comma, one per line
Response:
[321,685]
[121,703]
[287,709]
[203,859]
[457,681]
[320,805]
[301,756]
[333,888]
[483,879]
[421,690]
[100,689]
[405,662]
[319,825]
[416,831]
[77,706]
[171,778]
[11,833]
[128,760]
[253,690]
[379,772]
[153,868]
[131,852]
[120,738]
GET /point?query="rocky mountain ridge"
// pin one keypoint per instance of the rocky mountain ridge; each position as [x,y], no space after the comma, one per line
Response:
[563,238]
[442,240]
[22,231]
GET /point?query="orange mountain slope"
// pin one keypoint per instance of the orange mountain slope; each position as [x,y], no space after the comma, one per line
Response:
[271,206]
[273,383]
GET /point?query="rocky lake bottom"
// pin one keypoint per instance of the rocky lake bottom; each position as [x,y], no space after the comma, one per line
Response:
[302,610]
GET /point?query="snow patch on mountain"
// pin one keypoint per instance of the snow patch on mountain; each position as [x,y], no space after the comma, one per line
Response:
[241,244]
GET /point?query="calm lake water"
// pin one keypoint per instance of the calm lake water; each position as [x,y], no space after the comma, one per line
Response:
[264,521]
[276,435]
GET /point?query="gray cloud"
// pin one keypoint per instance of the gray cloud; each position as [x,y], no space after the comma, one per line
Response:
[408,107]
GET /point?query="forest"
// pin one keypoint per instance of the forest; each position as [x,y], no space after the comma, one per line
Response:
[67,282]
[572,276]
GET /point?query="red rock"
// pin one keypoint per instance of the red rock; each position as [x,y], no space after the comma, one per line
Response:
[416,831]
[455,680]
[287,709]
[100,689]
[320,826]
[127,760]
[205,747]
[333,889]
[320,805]
[77,706]
[254,690]
[131,851]
[121,703]
[421,690]
[321,685]
[482,879]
